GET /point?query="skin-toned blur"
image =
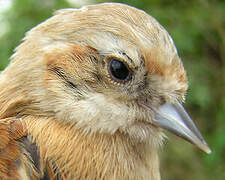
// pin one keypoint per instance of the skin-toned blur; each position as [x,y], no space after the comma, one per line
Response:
[197,28]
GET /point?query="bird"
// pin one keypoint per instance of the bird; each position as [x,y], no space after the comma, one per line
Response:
[88,94]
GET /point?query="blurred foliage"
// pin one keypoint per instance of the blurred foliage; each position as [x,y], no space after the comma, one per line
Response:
[198,30]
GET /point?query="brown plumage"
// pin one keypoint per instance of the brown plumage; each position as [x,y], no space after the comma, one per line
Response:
[86,95]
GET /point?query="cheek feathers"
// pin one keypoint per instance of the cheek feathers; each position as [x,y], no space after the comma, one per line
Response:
[70,58]
[73,61]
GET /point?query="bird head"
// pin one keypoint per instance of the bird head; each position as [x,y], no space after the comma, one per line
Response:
[104,68]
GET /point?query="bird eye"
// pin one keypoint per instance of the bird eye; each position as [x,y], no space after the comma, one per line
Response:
[118,70]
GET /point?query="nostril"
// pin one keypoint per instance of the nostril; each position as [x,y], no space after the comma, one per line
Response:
[162,100]
[146,100]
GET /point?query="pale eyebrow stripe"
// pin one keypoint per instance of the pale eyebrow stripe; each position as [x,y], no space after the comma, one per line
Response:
[129,59]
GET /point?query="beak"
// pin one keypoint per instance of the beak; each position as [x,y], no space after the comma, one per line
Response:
[175,119]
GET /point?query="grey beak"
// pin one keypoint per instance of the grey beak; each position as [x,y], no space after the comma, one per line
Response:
[175,119]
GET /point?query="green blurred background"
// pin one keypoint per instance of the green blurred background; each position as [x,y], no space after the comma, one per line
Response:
[198,30]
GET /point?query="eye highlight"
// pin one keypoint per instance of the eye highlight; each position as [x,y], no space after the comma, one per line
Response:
[118,70]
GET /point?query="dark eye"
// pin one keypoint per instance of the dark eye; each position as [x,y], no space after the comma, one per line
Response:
[118,70]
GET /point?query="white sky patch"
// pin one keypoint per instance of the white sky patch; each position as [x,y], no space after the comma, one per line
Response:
[81,2]
[4,6]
